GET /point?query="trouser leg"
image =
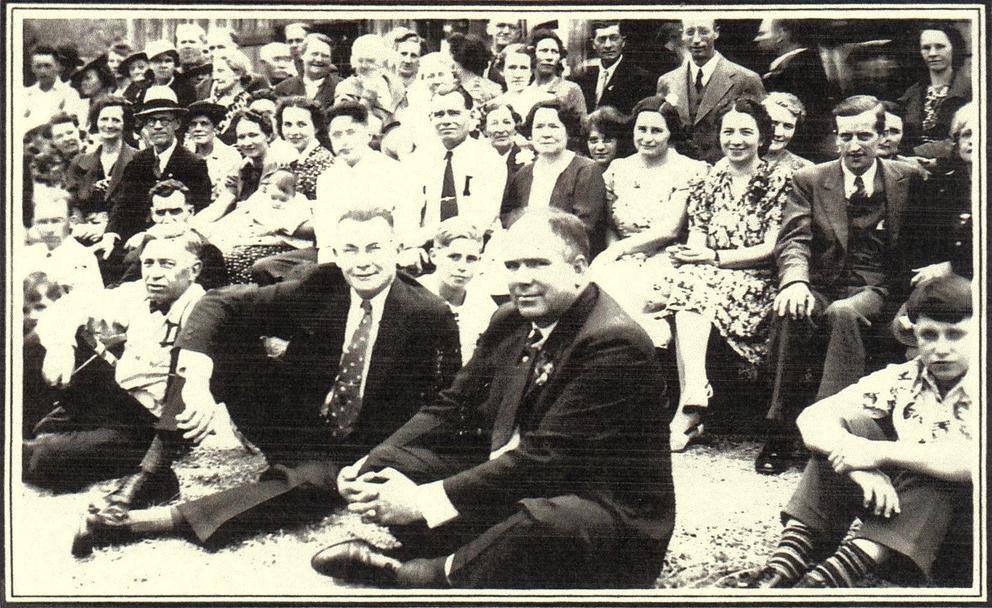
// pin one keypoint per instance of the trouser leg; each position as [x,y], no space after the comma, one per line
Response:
[845,359]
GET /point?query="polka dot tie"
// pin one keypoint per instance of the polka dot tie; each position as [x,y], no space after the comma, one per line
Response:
[344,402]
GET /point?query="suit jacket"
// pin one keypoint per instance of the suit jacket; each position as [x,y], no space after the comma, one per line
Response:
[325,94]
[803,75]
[129,207]
[416,353]
[812,242]
[580,189]
[594,425]
[728,82]
[628,85]
[85,171]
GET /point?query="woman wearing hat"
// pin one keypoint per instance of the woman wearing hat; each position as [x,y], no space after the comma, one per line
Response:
[202,118]
[131,72]
[93,81]
[163,60]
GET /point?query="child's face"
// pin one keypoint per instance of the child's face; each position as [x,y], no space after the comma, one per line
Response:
[33,310]
[457,263]
[281,192]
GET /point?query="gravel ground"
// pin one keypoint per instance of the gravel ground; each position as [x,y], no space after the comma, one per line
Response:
[727,522]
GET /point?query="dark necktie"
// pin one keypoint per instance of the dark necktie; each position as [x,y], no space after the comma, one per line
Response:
[344,402]
[699,83]
[860,195]
[157,167]
[449,202]
[163,308]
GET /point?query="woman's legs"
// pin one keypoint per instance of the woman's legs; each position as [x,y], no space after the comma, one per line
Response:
[692,335]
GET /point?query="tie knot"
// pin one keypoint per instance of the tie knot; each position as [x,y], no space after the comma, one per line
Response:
[367,306]
[534,337]
[859,183]
[448,155]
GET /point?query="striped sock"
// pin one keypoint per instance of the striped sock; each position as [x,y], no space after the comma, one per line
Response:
[791,558]
[845,567]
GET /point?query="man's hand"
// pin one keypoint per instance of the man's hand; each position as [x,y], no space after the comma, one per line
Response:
[197,417]
[135,241]
[105,247]
[795,300]
[88,233]
[58,365]
[879,494]
[347,478]
[933,271]
[857,455]
[394,502]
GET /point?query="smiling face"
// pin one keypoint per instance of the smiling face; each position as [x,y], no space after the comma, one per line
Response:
[349,138]
[167,269]
[699,36]
[201,130]
[651,135]
[608,44]
[857,141]
[65,138]
[251,140]
[739,138]
[457,263]
[366,253]
[544,280]
[45,69]
[110,123]
[504,32]
[224,77]
[548,57]
[944,348]
[891,137]
[316,59]
[500,128]
[548,135]
[783,127]
[602,149]
[298,128]
[936,50]
[517,71]
[450,118]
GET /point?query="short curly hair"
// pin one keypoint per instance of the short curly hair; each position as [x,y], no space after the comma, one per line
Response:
[754,109]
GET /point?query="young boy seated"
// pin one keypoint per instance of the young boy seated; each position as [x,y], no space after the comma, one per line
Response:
[52,250]
[898,450]
[265,224]
[456,254]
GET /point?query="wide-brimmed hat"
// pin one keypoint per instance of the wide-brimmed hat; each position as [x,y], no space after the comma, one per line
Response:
[102,70]
[160,47]
[213,111]
[124,68]
[159,98]
[202,69]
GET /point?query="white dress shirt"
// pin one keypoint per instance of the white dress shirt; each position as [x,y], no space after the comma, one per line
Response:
[868,177]
[312,86]
[707,69]
[605,74]
[164,157]
[355,314]
[40,106]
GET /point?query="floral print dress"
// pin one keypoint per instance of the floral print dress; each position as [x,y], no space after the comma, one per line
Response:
[738,300]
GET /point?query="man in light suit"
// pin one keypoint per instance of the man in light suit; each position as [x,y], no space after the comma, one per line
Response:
[365,349]
[835,252]
[569,482]
[705,85]
[612,82]
[318,80]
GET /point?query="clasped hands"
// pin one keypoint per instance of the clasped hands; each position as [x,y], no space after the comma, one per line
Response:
[687,254]
[385,497]
[860,459]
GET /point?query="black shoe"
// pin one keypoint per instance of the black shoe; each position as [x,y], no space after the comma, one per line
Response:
[773,458]
[97,529]
[142,490]
[356,561]
[811,581]
[763,578]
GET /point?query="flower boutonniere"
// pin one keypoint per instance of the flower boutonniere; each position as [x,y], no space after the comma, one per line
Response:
[524,157]
[543,371]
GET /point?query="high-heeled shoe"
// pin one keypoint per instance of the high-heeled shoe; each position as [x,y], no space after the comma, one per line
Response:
[687,425]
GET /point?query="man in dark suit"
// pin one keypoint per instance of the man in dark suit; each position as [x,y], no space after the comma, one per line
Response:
[705,85]
[612,82]
[835,252]
[797,69]
[568,484]
[365,349]
[318,80]
[164,159]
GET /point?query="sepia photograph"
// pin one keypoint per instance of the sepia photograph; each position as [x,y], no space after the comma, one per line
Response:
[318,303]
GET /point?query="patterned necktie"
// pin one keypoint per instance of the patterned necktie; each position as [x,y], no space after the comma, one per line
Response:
[449,202]
[860,195]
[344,402]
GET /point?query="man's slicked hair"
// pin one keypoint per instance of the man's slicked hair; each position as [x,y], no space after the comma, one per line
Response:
[365,213]
[567,227]
[190,240]
[859,104]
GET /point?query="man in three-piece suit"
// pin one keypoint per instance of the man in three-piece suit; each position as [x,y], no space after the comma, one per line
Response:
[612,82]
[568,484]
[836,255]
[798,69]
[318,79]
[164,159]
[706,84]
[365,349]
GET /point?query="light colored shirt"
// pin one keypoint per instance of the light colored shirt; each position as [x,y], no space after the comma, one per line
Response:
[868,177]
[472,315]
[707,69]
[312,86]
[355,314]
[605,74]
[545,177]
[165,156]
[143,368]
[223,160]
[72,265]
[40,106]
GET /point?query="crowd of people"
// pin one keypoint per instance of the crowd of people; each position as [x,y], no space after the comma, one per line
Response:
[445,290]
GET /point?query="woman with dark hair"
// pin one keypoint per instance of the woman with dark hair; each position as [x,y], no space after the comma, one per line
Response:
[93,177]
[93,81]
[558,177]
[132,73]
[726,277]
[930,104]
[231,74]
[548,54]
[501,126]
[202,118]
[607,136]
[646,206]
[516,66]
[890,146]
[303,125]
[788,114]
[471,58]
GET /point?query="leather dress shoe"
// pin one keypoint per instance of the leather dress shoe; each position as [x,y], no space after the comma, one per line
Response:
[773,459]
[142,489]
[811,581]
[764,578]
[358,562]
[97,529]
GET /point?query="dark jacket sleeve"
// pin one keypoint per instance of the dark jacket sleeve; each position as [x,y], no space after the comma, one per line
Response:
[197,179]
[590,197]
[128,207]
[512,204]
[792,248]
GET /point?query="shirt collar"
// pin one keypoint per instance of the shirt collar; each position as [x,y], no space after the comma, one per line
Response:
[868,177]
[164,157]
[454,151]
[782,58]
[176,310]
[613,68]
[378,301]
[962,391]
[707,68]
[545,333]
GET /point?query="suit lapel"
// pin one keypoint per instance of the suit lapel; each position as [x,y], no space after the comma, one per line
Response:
[390,339]
[720,82]
[896,191]
[513,392]
[127,153]
[835,202]
[682,92]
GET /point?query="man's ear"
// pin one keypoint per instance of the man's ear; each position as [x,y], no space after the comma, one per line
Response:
[195,268]
[580,264]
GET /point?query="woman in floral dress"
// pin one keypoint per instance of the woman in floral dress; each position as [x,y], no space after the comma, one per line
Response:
[646,197]
[726,278]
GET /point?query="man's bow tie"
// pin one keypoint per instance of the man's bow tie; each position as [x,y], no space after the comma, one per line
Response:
[156,307]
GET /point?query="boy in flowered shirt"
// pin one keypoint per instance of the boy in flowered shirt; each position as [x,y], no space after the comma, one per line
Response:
[898,450]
